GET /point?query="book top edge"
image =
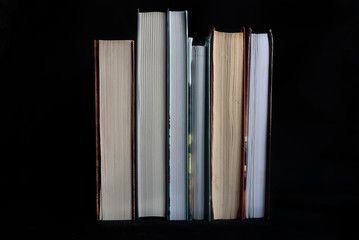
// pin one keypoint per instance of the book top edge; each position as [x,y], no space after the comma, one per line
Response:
[112,40]
[226,32]
[183,11]
[151,13]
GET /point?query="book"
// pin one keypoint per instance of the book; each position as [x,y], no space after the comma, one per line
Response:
[260,60]
[196,138]
[226,147]
[114,95]
[151,114]
[177,63]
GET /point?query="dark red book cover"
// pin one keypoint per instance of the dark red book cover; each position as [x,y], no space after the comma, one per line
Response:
[97,129]
[269,135]
[211,117]
[244,126]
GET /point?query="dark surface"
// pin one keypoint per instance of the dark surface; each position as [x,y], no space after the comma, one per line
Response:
[48,153]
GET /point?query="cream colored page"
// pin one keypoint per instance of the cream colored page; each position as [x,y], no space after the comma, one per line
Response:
[115,75]
[227,123]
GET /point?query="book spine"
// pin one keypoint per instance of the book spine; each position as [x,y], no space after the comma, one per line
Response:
[97,130]
[269,128]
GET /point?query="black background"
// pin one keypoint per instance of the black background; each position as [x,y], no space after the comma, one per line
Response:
[48,130]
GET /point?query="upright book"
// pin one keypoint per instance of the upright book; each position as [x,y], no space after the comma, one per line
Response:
[196,139]
[115,156]
[151,137]
[259,117]
[177,63]
[227,135]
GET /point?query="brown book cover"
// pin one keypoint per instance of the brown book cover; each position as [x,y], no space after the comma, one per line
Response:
[97,132]
[244,125]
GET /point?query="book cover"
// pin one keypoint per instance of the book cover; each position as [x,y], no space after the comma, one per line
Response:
[269,135]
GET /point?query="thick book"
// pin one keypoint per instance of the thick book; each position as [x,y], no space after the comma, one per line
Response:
[258,127]
[115,127]
[177,72]
[151,131]
[226,121]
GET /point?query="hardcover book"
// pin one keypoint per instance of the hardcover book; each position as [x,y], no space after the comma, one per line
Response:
[259,117]
[177,44]
[115,155]
[196,197]
[151,114]
[227,135]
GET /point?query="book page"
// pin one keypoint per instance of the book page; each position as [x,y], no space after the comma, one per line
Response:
[227,123]
[257,126]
